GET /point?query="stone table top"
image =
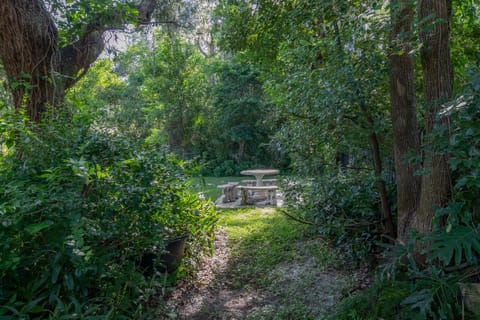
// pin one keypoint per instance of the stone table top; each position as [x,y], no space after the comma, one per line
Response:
[255,172]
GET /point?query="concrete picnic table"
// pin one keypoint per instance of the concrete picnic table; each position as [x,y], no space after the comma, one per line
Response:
[259,174]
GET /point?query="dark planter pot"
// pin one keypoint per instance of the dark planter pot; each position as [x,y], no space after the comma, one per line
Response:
[168,261]
[471,297]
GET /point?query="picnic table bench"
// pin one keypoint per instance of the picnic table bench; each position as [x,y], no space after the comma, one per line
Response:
[266,182]
[229,192]
[271,192]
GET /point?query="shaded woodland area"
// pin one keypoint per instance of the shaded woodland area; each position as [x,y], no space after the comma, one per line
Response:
[108,108]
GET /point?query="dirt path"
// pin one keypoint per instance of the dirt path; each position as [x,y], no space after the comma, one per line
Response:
[295,289]
[211,296]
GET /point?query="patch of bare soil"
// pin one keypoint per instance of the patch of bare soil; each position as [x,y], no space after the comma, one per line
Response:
[303,283]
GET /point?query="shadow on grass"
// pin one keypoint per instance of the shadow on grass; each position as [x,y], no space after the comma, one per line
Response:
[274,269]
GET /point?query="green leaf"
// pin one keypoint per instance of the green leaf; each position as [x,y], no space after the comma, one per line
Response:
[457,244]
[69,282]
[37,227]
[56,273]
[420,300]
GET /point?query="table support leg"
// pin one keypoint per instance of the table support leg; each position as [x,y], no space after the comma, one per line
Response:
[244,200]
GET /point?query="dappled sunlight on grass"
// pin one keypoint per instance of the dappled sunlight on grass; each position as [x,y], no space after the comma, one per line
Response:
[272,268]
[241,223]
[264,238]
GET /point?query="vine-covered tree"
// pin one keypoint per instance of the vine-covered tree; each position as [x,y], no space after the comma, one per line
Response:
[46,46]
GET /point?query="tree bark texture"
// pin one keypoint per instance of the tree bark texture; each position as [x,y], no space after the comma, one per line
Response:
[27,47]
[406,136]
[438,87]
[39,72]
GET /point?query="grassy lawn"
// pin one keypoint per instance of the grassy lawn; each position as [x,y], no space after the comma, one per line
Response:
[263,238]
[208,185]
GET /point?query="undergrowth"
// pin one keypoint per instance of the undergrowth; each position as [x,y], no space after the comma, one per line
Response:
[79,208]
[429,288]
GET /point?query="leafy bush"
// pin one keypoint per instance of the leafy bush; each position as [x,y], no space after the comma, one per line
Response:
[78,209]
[343,206]
[381,300]
[225,168]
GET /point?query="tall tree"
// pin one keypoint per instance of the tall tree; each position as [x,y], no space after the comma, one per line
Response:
[38,65]
[238,100]
[419,197]
[406,135]
[438,88]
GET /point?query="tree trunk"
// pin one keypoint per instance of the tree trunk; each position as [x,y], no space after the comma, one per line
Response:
[406,138]
[438,88]
[28,43]
[387,220]
[38,71]
[241,150]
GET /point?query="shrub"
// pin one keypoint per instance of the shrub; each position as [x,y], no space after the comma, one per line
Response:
[78,209]
[342,205]
[381,300]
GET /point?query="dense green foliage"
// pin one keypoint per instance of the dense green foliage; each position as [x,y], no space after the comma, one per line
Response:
[326,70]
[326,74]
[241,124]
[452,249]
[211,110]
[343,206]
[79,208]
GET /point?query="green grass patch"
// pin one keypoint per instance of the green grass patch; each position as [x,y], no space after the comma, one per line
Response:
[208,185]
[263,238]
[284,260]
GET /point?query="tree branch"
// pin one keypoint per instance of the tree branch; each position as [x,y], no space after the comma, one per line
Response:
[39,72]
[76,58]
[145,11]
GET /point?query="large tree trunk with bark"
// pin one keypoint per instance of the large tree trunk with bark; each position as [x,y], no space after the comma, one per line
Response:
[27,48]
[39,72]
[406,137]
[420,196]
[438,88]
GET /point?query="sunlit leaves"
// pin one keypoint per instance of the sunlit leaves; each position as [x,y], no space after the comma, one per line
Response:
[74,18]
